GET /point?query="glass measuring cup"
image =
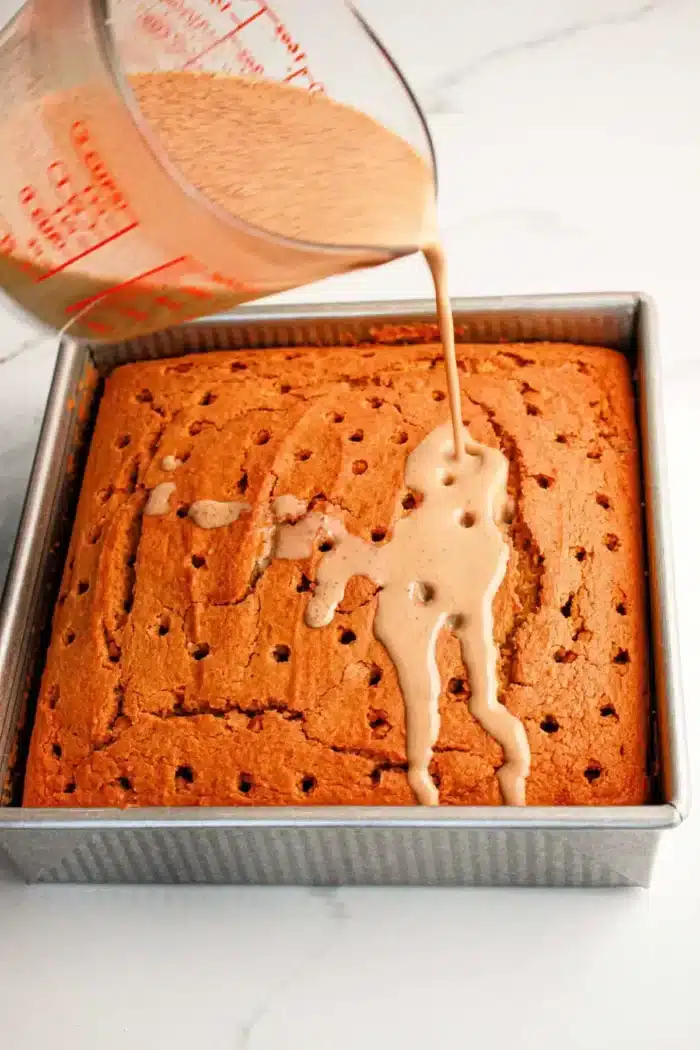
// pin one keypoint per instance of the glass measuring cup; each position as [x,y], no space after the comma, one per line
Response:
[97,224]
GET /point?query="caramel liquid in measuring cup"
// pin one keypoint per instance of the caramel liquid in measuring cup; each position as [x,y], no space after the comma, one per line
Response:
[303,166]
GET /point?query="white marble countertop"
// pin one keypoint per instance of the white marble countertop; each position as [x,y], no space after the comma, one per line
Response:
[569,158]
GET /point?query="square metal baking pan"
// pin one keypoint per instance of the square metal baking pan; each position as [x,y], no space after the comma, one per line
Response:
[560,846]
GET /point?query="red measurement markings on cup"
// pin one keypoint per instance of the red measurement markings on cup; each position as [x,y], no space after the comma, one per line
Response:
[298,69]
[82,304]
[238,28]
[29,258]
[71,218]
[178,290]
[258,40]
[194,27]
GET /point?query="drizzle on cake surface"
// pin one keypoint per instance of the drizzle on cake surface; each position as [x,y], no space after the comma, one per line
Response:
[181,669]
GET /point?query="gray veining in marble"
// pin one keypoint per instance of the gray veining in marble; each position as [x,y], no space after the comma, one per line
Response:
[438,99]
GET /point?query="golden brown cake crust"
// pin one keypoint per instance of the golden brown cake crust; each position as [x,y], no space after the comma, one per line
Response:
[164,683]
